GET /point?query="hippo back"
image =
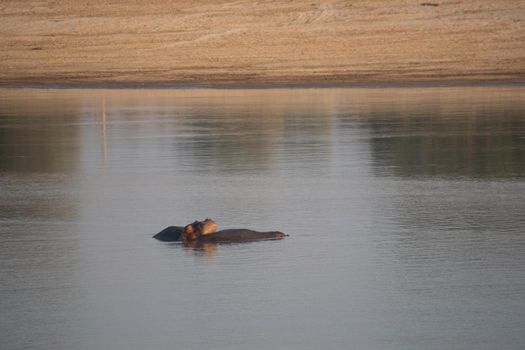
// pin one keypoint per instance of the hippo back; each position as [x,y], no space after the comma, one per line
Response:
[240,235]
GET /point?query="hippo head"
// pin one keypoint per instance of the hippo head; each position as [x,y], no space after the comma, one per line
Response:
[196,229]
[207,226]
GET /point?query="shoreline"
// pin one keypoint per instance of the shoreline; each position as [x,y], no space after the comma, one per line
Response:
[266,86]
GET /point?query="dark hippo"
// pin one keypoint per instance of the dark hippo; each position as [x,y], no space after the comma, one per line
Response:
[170,234]
[206,232]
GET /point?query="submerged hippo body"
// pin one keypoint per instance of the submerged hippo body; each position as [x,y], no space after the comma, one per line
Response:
[239,235]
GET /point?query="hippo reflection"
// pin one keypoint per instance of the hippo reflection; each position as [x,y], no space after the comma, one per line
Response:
[200,232]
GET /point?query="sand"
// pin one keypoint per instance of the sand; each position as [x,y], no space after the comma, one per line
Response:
[231,43]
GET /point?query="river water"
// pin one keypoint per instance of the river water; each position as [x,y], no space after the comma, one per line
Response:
[405,209]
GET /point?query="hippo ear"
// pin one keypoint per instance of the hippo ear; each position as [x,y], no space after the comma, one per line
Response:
[188,228]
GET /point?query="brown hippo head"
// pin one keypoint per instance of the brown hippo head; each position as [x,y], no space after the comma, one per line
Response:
[207,226]
[196,229]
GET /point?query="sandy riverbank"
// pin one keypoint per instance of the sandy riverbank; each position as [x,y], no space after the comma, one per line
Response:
[224,43]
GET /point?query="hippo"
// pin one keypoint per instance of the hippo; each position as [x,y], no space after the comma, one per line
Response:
[241,235]
[170,234]
[197,228]
[206,232]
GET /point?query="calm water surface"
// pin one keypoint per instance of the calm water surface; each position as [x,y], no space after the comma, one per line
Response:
[405,209]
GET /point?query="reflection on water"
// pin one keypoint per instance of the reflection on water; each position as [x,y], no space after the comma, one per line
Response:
[485,143]
[474,133]
[405,209]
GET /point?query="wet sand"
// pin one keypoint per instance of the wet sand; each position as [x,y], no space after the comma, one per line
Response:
[235,43]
